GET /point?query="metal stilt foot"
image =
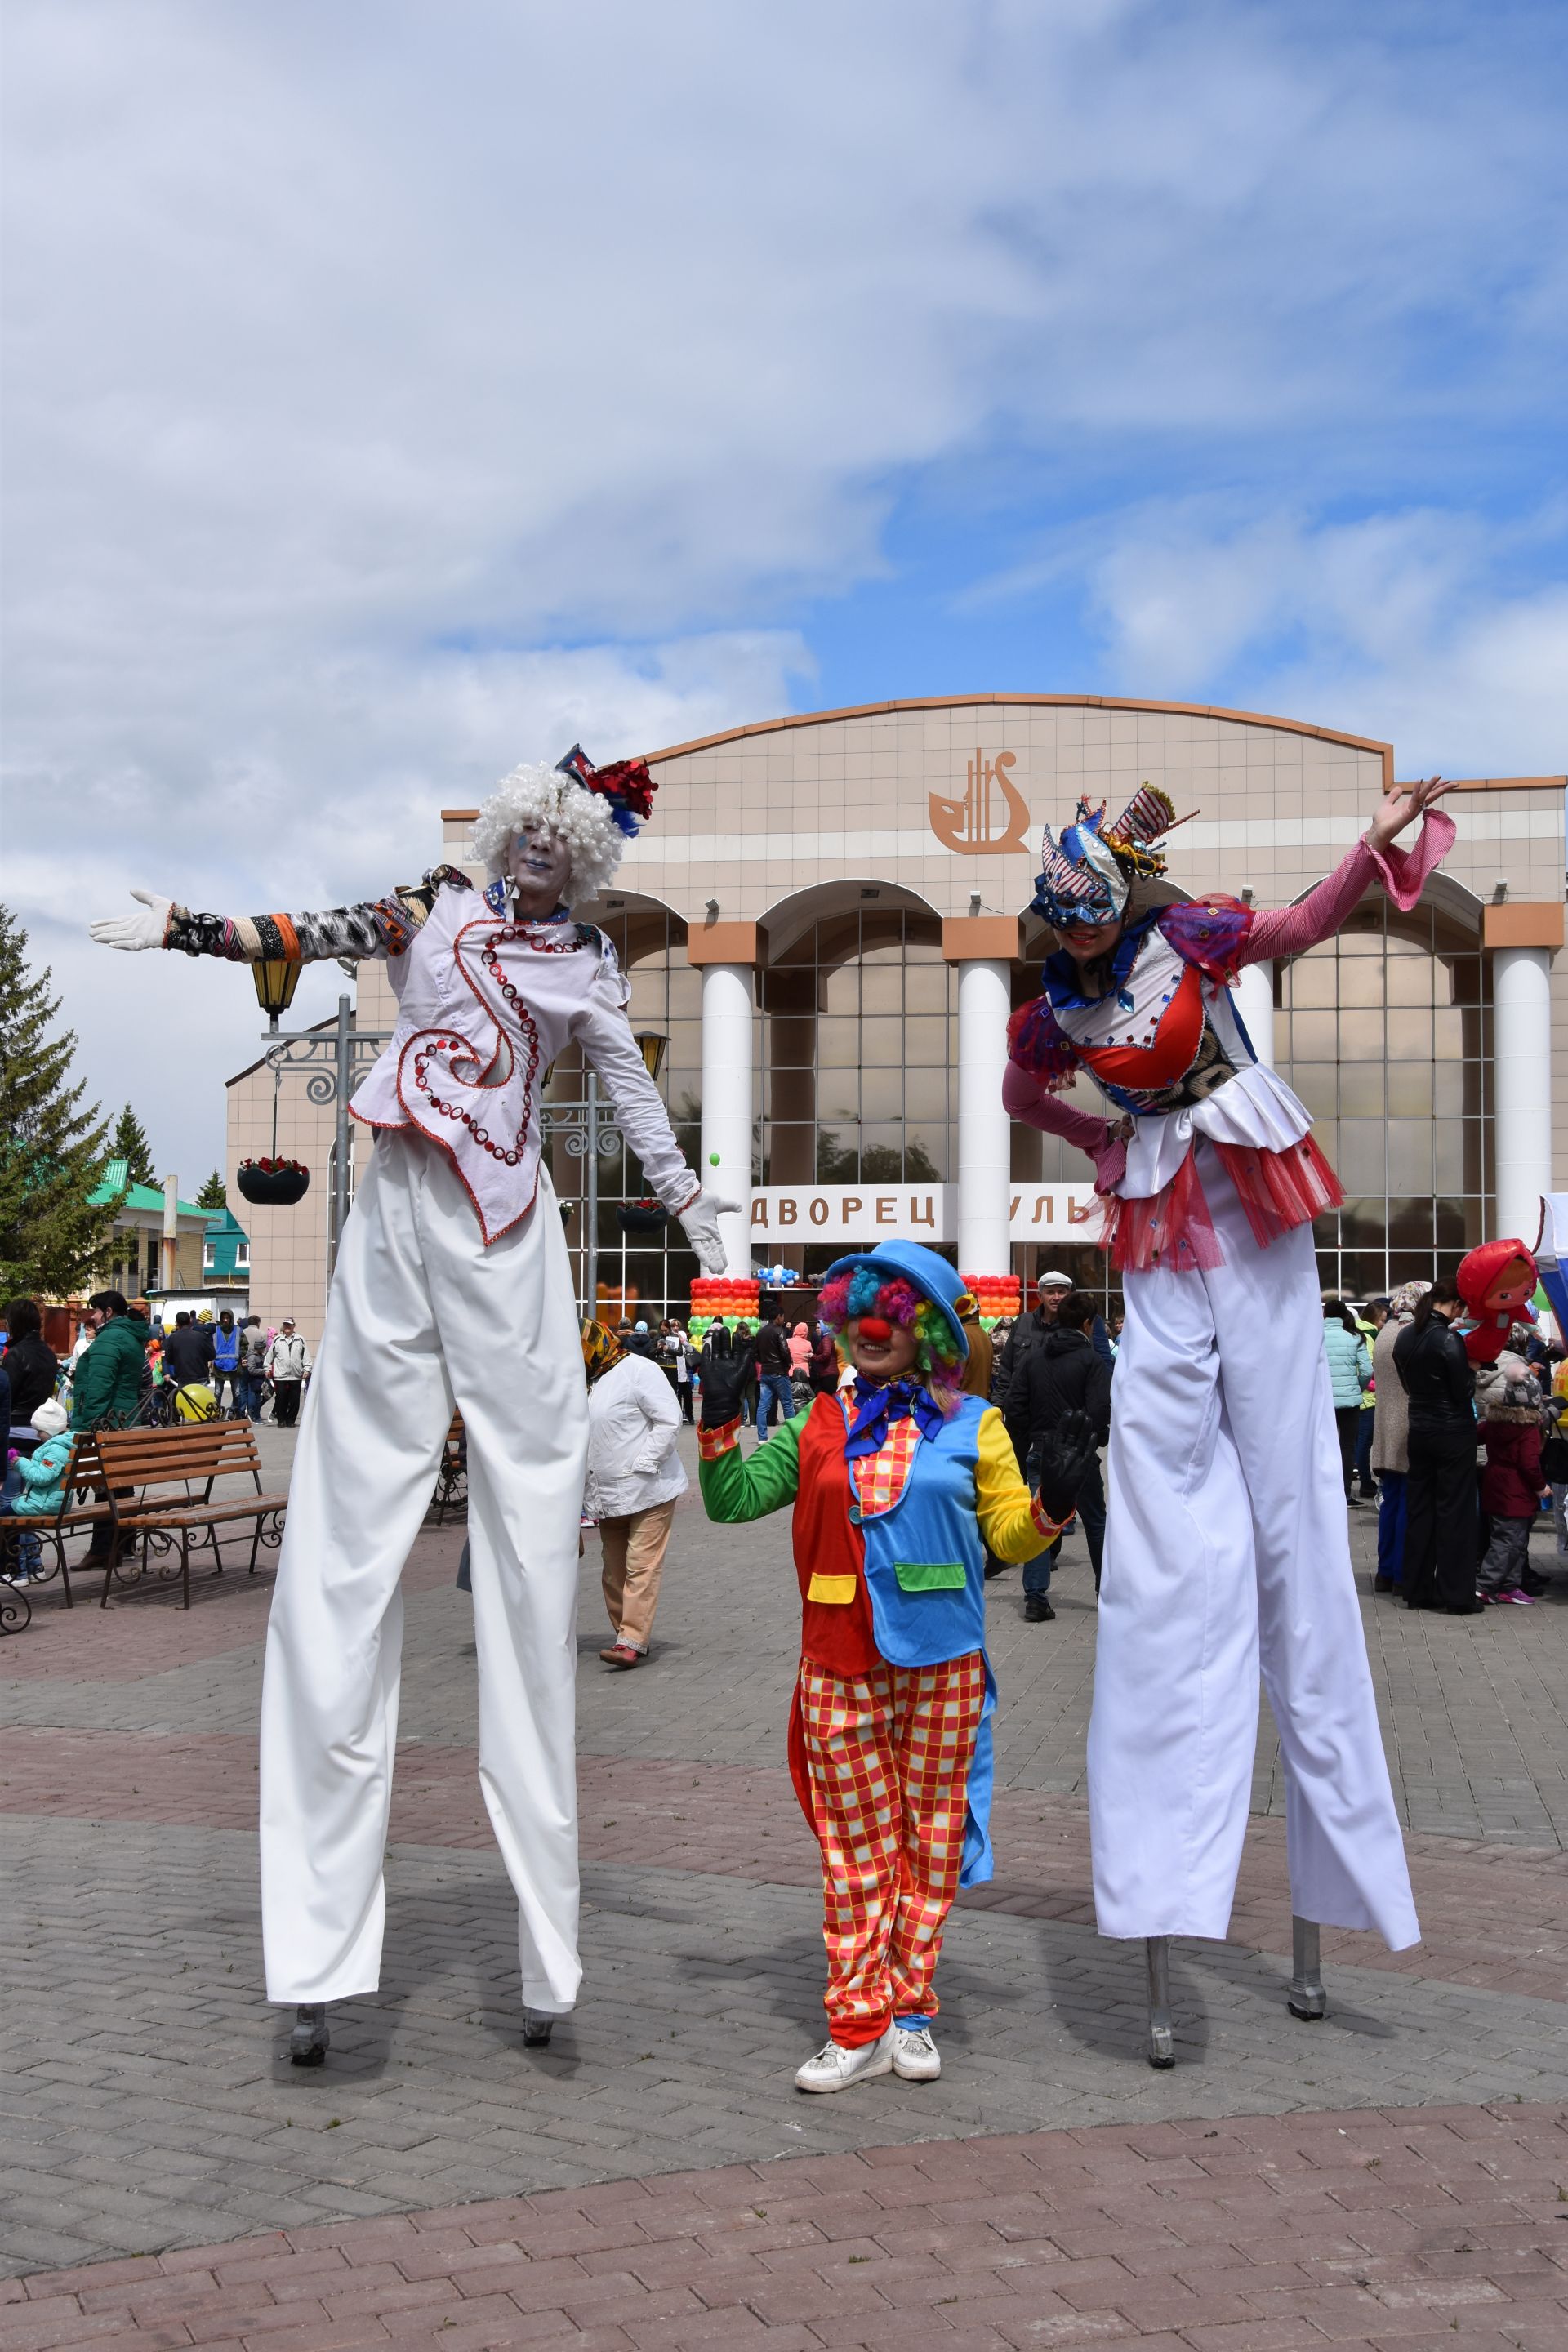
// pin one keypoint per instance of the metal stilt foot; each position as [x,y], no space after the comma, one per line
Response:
[537,2026]
[1157,1953]
[309,2042]
[1307,1998]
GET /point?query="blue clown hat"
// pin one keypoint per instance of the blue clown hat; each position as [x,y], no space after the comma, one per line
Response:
[929,1274]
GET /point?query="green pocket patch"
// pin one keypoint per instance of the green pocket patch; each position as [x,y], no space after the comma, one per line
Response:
[931,1575]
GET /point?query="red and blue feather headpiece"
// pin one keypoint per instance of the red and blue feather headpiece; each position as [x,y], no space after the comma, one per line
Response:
[625,785]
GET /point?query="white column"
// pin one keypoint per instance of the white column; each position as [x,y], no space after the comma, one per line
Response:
[1254,994]
[984,1001]
[169,1269]
[1522,1062]
[729,1003]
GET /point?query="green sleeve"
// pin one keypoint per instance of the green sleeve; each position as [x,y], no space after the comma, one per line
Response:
[737,1486]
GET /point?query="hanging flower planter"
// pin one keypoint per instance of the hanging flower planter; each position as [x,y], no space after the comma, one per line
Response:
[273,1184]
[642,1217]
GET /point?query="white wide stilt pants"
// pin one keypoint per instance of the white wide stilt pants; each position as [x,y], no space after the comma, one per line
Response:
[1226,1548]
[421,1314]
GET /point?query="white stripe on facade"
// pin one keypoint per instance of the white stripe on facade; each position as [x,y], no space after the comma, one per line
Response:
[661,849]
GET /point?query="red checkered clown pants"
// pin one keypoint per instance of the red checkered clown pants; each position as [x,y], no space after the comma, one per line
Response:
[887,1759]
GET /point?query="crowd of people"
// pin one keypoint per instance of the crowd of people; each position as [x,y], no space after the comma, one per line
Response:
[1466,1458]
[123,1370]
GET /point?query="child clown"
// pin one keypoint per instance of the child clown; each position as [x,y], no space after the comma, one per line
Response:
[452,1286]
[898,1484]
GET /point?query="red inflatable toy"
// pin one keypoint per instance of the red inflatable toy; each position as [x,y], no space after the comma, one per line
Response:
[1496,1283]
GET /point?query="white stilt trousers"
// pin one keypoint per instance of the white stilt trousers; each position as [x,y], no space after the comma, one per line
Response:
[1226,1548]
[421,1314]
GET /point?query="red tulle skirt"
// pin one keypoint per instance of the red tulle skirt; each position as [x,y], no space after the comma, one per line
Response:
[1278,1190]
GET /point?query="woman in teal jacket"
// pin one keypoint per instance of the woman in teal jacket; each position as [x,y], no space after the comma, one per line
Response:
[1350,1371]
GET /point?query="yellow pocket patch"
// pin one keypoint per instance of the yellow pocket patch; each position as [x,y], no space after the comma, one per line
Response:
[838,1592]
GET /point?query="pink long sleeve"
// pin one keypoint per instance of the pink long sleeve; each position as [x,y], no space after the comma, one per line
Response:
[1403,873]
[1025,1098]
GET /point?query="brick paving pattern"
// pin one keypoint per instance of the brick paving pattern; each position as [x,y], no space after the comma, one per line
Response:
[1397,2175]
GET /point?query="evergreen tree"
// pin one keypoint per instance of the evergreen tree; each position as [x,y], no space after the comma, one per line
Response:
[214,1193]
[129,1142]
[52,1146]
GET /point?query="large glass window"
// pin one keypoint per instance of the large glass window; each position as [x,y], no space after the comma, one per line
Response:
[858,1071]
[1385,1033]
[646,1274]
[858,1079]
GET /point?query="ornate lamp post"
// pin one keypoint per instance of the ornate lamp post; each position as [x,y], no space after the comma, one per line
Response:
[275,985]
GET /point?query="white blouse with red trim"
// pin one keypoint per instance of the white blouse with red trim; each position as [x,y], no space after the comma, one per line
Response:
[485,1004]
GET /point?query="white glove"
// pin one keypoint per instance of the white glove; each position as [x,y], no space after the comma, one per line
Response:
[148,930]
[702,1225]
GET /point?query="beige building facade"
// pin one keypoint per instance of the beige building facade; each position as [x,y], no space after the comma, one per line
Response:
[823,923]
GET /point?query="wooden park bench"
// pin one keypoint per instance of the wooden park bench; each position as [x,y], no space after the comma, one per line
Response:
[452,1478]
[158,1484]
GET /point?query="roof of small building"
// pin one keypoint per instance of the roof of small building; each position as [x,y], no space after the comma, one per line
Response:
[144,1196]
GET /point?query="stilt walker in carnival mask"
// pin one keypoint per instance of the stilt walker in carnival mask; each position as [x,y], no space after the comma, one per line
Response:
[1226,1545]
[452,1286]
[898,1484]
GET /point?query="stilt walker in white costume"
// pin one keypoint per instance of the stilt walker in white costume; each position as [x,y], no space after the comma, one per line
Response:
[1226,1545]
[452,1286]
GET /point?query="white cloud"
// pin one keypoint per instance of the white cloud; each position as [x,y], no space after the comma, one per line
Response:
[1421,628]
[396,390]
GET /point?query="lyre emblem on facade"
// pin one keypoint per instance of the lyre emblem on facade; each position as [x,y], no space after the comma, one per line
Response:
[966,824]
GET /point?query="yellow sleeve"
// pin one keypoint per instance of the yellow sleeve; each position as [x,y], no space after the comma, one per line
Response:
[1011,1520]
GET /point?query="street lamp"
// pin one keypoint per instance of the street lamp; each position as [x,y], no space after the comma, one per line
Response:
[653,1047]
[275,982]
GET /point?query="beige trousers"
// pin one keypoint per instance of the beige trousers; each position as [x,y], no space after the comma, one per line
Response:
[634,1549]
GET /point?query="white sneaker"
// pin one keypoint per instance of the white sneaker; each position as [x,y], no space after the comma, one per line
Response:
[916,2058]
[834,2068]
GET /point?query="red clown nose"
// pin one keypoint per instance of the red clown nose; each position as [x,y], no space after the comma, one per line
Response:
[875,1326]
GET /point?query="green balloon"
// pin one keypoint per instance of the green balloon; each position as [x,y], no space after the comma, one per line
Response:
[713,1160]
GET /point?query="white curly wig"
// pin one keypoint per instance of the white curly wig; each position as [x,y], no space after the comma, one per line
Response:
[538,795]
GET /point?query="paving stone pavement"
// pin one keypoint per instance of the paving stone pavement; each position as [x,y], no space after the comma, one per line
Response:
[1374,2228]
[1475,1712]
[146,2100]
[1399,2182]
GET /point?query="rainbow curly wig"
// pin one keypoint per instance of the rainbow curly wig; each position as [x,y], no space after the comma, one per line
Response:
[939,1359]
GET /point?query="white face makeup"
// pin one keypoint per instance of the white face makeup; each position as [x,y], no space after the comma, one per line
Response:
[539,866]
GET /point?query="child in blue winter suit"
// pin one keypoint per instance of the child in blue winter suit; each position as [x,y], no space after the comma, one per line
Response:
[34,1483]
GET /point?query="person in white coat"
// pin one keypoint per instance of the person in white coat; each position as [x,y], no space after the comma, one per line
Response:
[634,1481]
[452,1286]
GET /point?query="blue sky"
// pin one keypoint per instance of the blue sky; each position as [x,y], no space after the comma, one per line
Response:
[398,392]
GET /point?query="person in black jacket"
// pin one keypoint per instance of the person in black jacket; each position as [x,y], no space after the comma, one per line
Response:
[187,1351]
[1441,1534]
[1027,1335]
[773,1372]
[1064,1373]
[32,1368]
